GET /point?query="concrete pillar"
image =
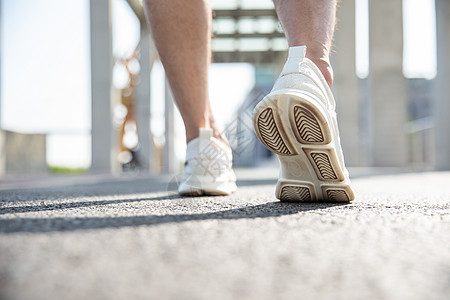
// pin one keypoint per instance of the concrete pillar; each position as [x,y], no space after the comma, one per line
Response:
[345,86]
[101,81]
[0,68]
[2,137]
[387,88]
[169,133]
[2,152]
[442,103]
[143,102]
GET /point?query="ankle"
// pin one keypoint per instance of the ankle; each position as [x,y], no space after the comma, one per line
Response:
[205,120]
[325,68]
[193,132]
[193,124]
[319,54]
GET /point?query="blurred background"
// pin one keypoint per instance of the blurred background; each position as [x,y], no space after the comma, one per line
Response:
[82,88]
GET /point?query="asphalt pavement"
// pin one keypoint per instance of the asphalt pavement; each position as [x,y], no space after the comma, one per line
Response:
[133,237]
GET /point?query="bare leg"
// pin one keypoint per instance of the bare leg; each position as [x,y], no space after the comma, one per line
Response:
[310,23]
[182,30]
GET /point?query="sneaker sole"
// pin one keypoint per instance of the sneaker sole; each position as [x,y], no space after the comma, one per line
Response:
[291,125]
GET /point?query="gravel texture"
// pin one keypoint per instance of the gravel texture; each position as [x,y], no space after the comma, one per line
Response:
[134,238]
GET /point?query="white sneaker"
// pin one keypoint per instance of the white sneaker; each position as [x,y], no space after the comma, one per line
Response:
[297,121]
[208,168]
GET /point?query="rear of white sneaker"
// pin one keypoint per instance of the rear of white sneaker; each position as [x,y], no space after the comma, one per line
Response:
[297,121]
[208,168]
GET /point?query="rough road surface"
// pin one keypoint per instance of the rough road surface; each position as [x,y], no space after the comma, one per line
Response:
[131,238]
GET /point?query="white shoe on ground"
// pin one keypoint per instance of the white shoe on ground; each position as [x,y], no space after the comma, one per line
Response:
[208,168]
[297,121]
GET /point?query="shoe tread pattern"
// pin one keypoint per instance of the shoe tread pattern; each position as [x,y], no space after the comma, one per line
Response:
[270,134]
[295,193]
[307,126]
[337,195]
[323,164]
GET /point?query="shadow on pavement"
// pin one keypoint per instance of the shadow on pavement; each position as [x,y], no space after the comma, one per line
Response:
[65,224]
[48,194]
[111,187]
[75,204]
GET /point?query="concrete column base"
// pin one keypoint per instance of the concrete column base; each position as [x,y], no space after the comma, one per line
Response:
[387,86]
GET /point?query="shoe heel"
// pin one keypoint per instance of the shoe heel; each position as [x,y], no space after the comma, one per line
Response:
[268,129]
